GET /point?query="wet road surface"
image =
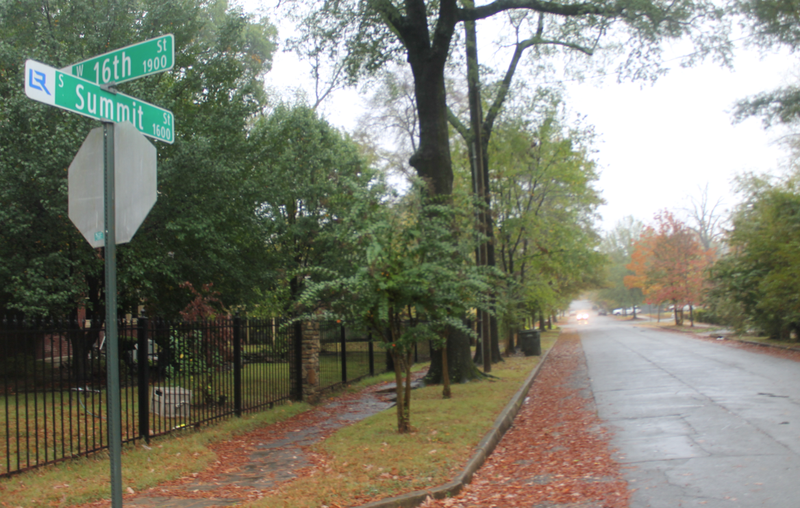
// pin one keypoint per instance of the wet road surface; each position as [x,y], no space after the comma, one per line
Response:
[697,424]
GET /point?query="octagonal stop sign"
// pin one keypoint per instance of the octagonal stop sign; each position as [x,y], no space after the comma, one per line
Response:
[134,184]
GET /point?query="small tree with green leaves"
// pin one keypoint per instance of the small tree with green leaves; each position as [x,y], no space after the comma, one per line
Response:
[412,279]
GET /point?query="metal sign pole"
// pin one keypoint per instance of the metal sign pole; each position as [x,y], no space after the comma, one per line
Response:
[112,349]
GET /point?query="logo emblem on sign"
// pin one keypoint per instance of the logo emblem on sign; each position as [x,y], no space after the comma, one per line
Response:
[38,81]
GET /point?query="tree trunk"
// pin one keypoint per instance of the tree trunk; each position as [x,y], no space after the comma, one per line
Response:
[427,57]
[460,366]
[432,158]
[510,341]
[400,390]
[446,393]
[407,360]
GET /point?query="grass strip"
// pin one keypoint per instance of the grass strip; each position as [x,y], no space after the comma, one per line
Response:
[370,460]
[85,479]
[706,329]
[359,463]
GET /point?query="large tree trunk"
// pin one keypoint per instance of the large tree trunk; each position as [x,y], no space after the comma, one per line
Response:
[459,360]
[427,55]
[432,158]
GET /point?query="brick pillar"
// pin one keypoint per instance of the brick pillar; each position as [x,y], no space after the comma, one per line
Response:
[310,365]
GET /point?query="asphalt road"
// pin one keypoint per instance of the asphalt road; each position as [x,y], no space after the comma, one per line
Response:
[696,423]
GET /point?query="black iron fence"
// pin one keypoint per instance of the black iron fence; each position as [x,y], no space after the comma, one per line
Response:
[345,355]
[173,375]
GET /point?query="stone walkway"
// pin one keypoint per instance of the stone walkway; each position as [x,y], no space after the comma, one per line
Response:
[271,460]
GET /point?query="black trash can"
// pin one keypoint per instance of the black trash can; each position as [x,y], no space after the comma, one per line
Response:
[530,342]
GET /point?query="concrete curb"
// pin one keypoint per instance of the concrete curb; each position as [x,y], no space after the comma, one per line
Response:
[767,345]
[751,342]
[479,456]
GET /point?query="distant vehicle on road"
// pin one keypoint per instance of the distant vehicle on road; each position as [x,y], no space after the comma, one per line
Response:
[617,312]
[583,316]
[602,312]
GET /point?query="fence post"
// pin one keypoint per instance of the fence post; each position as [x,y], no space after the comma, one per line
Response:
[143,371]
[298,361]
[237,365]
[371,356]
[344,355]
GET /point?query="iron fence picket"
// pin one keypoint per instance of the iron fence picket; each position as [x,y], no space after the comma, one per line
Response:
[174,375]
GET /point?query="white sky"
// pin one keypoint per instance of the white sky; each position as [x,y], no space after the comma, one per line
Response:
[657,145]
[661,144]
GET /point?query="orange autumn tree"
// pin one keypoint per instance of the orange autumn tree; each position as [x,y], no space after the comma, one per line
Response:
[640,259]
[669,264]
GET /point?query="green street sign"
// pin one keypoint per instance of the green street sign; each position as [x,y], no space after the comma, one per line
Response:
[131,62]
[51,86]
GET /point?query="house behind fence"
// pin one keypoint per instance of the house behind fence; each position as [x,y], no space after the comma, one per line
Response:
[173,375]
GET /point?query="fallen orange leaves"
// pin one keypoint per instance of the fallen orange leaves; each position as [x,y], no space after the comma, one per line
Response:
[556,452]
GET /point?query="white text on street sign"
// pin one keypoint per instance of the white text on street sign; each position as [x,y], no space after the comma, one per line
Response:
[131,62]
[51,86]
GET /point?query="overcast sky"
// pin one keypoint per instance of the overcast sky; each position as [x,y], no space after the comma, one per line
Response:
[657,145]
[661,144]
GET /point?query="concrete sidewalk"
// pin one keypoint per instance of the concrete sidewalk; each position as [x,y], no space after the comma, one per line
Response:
[274,459]
[282,456]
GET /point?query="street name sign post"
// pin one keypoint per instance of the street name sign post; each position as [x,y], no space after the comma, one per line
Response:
[96,98]
[131,62]
[56,88]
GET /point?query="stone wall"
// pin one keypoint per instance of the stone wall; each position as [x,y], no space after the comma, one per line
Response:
[310,364]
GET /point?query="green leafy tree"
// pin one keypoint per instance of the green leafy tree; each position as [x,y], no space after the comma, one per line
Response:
[618,246]
[365,35]
[304,171]
[760,274]
[412,280]
[773,23]
[203,227]
[545,208]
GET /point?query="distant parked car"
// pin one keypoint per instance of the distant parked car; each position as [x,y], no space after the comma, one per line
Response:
[617,312]
[602,312]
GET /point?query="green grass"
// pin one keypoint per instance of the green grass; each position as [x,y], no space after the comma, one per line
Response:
[363,459]
[371,460]
[710,329]
[795,344]
[167,458]
[36,428]
[85,479]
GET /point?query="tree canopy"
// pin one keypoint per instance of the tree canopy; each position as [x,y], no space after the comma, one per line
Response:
[304,174]
[618,245]
[545,206]
[773,23]
[669,264]
[365,35]
[410,278]
[759,276]
[201,228]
